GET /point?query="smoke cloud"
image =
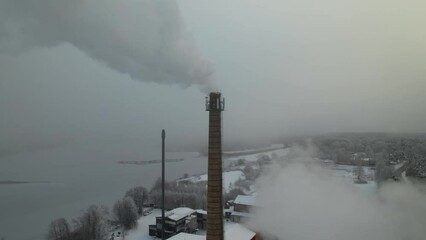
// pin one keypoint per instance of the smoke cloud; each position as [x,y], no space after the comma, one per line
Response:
[145,39]
[301,200]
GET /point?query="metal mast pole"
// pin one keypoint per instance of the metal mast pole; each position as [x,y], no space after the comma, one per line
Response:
[163,137]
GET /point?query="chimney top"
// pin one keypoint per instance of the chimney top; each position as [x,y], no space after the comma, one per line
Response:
[215,94]
[215,103]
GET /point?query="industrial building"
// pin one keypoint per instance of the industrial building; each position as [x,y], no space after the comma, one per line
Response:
[233,231]
[242,207]
[176,221]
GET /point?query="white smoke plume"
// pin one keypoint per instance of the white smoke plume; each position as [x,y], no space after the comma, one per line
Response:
[146,39]
[301,200]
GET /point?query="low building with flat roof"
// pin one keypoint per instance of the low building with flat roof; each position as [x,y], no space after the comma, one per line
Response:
[242,206]
[177,220]
[233,231]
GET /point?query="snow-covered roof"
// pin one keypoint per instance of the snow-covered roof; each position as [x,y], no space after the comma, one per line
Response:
[232,231]
[241,214]
[187,236]
[238,232]
[245,200]
[201,211]
[179,213]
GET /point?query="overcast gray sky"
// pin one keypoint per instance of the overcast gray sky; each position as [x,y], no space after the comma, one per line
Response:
[76,70]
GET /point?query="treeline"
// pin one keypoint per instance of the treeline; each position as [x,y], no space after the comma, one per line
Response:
[96,222]
[194,195]
[387,149]
[92,225]
[182,194]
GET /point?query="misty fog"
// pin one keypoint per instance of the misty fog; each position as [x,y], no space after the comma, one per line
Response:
[94,82]
[298,199]
[285,67]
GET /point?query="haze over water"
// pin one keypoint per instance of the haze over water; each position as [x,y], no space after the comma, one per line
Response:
[63,181]
[76,74]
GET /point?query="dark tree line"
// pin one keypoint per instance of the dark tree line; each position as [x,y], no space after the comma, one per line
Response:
[92,225]
[59,229]
[180,194]
[95,222]
[126,213]
[139,195]
[383,149]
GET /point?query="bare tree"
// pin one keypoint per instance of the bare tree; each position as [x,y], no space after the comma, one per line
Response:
[59,229]
[249,172]
[382,172]
[241,162]
[139,196]
[125,212]
[93,225]
[185,194]
[190,200]
[359,174]
[242,184]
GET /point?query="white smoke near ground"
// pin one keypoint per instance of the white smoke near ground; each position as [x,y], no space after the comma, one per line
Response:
[301,200]
[145,39]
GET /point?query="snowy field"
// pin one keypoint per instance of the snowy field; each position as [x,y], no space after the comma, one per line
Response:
[277,153]
[253,150]
[348,173]
[141,232]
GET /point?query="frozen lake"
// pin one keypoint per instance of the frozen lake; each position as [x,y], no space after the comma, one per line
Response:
[63,181]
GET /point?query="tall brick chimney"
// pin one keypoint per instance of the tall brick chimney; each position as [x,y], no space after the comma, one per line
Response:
[215,105]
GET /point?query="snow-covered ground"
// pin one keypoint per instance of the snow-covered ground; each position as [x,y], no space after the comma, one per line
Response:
[141,232]
[229,178]
[249,151]
[348,172]
[277,153]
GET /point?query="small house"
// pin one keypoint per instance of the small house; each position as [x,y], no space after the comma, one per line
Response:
[176,221]
[242,206]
